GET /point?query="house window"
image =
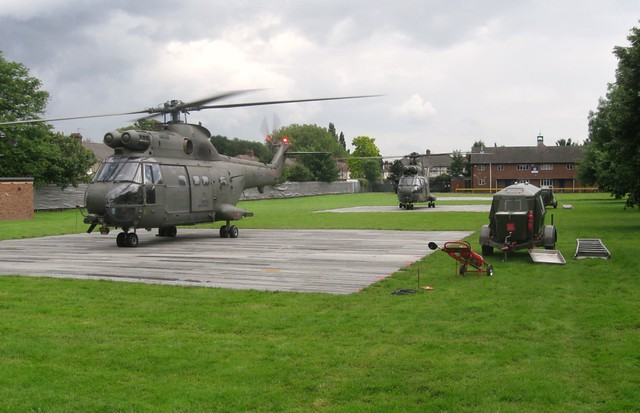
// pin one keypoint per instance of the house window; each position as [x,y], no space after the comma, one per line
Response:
[482,182]
[546,167]
[569,167]
[500,167]
[523,167]
[546,182]
[480,168]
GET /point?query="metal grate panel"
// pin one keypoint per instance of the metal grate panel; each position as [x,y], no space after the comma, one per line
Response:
[591,248]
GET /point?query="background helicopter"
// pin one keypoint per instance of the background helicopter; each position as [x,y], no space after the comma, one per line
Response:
[413,185]
[173,176]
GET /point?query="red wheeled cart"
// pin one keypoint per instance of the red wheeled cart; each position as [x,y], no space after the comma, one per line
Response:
[461,251]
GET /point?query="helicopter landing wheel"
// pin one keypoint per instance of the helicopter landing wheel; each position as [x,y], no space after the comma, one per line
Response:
[121,239]
[229,231]
[125,239]
[171,231]
[132,240]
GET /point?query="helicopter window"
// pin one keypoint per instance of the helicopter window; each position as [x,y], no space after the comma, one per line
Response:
[196,180]
[182,180]
[119,172]
[152,174]
[409,180]
[205,180]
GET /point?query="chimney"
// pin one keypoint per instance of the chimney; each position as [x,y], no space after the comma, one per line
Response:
[428,152]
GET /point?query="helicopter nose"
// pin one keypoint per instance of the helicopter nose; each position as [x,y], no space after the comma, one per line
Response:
[95,198]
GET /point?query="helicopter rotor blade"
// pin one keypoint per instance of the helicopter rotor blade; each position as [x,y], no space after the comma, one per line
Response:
[280,102]
[179,106]
[41,120]
[197,104]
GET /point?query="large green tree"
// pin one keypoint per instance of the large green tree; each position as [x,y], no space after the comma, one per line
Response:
[459,164]
[321,145]
[612,152]
[34,150]
[395,173]
[235,147]
[365,161]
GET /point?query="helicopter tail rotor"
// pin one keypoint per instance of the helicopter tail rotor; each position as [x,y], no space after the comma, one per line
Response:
[269,133]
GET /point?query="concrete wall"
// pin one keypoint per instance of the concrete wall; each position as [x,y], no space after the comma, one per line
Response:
[298,189]
[16,198]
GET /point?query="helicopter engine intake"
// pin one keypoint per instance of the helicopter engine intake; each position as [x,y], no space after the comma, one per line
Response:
[133,140]
[113,139]
[136,140]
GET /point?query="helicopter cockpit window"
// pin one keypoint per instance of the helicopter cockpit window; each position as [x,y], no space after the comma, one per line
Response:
[119,172]
[409,181]
[196,180]
[152,174]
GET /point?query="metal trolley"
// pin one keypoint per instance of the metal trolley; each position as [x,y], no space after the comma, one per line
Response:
[461,251]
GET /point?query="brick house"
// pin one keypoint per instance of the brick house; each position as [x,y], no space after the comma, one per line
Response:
[438,163]
[498,167]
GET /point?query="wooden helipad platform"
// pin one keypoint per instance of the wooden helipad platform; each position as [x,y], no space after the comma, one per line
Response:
[329,261]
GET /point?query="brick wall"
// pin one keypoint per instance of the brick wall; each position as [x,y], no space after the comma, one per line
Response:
[16,198]
[559,176]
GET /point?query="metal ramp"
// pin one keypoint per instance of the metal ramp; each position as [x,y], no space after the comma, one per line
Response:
[591,248]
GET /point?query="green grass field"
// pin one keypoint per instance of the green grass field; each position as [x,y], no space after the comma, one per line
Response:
[534,337]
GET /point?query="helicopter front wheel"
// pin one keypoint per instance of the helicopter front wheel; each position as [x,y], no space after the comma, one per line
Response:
[229,231]
[125,239]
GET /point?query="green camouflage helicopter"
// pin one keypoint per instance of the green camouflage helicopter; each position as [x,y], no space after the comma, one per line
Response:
[413,185]
[174,176]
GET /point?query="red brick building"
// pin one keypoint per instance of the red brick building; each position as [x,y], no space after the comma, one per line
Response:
[498,167]
[16,198]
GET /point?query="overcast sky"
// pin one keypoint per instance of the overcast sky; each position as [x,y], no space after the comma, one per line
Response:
[452,72]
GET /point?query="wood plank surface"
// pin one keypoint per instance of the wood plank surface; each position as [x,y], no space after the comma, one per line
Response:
[329,261]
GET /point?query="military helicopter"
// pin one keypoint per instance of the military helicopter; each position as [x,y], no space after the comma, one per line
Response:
[174,176]
[413,185]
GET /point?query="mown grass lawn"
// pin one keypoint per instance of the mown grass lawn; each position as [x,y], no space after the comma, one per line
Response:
[534,337]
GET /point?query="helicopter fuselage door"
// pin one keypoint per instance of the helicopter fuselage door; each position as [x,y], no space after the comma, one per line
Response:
[154,198]
[201,189]
[177,193]
[153,188]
